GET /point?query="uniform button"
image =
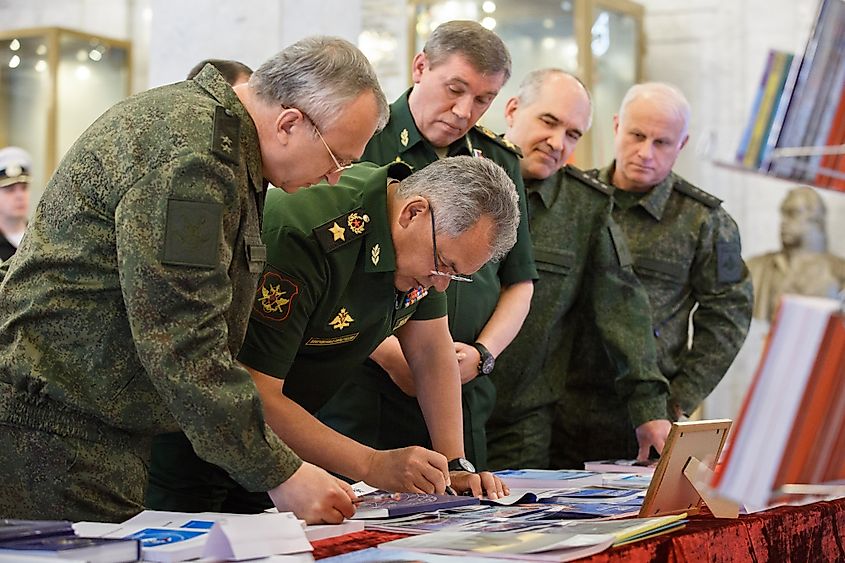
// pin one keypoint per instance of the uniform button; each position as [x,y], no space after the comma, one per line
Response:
[229,113]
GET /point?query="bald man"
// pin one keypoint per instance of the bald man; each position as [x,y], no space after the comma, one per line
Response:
[585,279]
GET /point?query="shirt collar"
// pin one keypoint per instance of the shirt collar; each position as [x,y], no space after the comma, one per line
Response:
[547,189]
[210,80]
[378,242]
[655,200]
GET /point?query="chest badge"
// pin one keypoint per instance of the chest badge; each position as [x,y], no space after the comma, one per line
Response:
[337,232]
[375,254]
[414,295]
[342,320]
[403,137]
[357,223]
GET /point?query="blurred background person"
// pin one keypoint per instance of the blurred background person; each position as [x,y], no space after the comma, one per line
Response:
[15,175]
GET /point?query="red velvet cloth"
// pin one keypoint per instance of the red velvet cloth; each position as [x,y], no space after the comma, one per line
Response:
[812,533]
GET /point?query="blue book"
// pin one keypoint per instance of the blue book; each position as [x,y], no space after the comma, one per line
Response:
[92,550]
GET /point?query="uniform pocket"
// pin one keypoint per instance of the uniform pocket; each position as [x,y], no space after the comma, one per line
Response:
[554,260]
[665,270]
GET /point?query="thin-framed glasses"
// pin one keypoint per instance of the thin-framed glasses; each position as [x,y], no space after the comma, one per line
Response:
[436,271]
[340,166]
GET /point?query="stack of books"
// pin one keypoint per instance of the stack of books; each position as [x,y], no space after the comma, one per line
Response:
[28,541]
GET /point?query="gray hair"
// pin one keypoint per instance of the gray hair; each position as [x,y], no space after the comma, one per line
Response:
[319,75]
[462,189]
[484,50]
[529,88]
[671,97]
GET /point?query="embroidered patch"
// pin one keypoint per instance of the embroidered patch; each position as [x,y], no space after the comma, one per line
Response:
[342,320]
[403,137]
[729,263]
[315,341]
[275,297]
[192,233]
[375,254]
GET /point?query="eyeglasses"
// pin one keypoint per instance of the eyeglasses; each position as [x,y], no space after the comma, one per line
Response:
[436,271]
[340,166]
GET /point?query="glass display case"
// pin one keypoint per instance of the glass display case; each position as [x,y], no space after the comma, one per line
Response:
[598,40]
[54,83]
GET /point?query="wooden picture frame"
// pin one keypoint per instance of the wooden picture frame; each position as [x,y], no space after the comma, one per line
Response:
[671,491]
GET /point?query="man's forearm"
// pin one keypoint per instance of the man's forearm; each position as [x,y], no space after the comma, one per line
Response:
[507,318]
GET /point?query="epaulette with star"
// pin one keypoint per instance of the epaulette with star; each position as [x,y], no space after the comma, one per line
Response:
[501,141]
[226,137]
[588,179]
[342,230]
[697,194]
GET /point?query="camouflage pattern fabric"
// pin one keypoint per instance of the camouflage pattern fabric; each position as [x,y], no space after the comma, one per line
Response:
[686,252]
[130,295]
[586,283]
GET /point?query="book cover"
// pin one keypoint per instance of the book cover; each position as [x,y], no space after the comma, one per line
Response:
[620,466]
[388,505]
[788,59]
[768,102]
[755,107]
[548,478]
[22,529]
[93,550]
[832,163]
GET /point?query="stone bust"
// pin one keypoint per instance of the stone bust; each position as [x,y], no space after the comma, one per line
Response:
[803,265]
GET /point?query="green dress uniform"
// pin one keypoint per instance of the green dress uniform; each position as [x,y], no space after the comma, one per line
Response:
[122,312]
[399,421]
[586,279]
[686,252]
[325,301]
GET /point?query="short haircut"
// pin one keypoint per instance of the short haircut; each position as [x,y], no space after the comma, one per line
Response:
[484,50]
[815,203]
[671,97]
[529,88]
[461,189]
[231,70]
[319,75]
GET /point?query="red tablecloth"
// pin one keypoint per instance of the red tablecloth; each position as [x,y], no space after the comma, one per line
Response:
[811,533]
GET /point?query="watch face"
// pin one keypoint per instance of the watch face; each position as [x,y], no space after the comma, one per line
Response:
[487,364]
[465,465]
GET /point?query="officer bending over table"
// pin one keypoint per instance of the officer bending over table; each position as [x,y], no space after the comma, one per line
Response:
[347,266]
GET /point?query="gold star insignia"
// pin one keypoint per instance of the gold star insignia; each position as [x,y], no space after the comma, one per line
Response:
[338,232]
[342,320]
[403,137]
[375,254]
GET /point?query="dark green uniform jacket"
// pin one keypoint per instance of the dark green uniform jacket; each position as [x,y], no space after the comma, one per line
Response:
[122,312]
[325,301]
[470,304]
[586,279]
[686,252]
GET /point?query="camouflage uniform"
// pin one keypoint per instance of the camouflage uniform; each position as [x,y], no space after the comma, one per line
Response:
[326,300]
[686,251]
[124,307]
[585,280]
[470,305]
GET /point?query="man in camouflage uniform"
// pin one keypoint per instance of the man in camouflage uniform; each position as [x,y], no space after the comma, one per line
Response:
[129,298]
[456,77]
[347,266]
[585,280]
[686,252]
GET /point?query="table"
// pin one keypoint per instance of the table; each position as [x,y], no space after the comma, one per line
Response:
[810,533]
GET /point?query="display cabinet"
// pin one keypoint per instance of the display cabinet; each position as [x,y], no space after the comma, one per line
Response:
[54,83]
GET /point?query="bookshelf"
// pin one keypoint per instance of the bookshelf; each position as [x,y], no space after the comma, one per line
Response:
[796,126]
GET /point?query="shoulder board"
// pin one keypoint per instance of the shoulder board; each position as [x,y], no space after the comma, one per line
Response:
[226,138]
[342,229]
[588,178]
[699,195]
[501,141]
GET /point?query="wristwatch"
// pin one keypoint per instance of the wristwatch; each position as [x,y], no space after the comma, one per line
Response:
[487,361]
[461,464]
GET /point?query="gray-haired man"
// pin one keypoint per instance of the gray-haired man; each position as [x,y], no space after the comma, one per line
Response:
[129,299]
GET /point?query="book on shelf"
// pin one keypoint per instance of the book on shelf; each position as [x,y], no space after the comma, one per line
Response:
[63,547]
[548,478]
[832,163]
[755,108]
[762,119]
[791,428]
[620,466]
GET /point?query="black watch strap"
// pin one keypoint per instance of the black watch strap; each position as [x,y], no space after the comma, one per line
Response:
[486,361]
[461,464]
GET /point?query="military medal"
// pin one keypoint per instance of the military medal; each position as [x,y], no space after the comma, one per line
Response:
[411,297]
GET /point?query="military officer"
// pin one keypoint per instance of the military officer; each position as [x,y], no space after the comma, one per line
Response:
[347,266]
[121,315]
[456,77]
[585,278]
[686,252]
[15,175]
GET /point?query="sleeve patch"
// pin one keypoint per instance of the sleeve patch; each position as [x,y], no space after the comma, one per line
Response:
[192,233]
[729,262]
[274,298]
